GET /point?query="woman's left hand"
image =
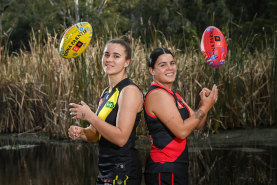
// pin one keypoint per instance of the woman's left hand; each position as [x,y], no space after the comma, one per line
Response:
[209,97]
[206,91]
[80,111]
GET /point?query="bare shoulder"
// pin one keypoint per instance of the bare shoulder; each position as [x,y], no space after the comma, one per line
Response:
[131,90]
[131,93]
[131,97]
[159,94]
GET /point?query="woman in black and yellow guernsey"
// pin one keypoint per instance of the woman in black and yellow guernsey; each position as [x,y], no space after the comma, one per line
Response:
[170,120]
[115,121]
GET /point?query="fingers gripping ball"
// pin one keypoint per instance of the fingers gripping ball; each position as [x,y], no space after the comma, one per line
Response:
[75,40]
[213,46]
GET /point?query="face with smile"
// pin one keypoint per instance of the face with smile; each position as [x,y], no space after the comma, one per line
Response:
[165,69]
[114,59]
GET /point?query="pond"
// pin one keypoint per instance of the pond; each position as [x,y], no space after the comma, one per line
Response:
[239,157]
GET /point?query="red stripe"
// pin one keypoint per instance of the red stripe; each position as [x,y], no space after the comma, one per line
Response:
[162,87]
[169,153]
[159,178]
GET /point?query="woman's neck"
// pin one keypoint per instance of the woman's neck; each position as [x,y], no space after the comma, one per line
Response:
[115,79]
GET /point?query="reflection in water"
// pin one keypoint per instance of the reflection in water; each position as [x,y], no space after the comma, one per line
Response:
[16,147]
[240,158]
[243,157]
[49,163]
[233,166]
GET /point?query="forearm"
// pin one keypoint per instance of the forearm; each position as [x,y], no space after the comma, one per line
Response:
[201,123]
[89,134]
[110,132]
[192,123]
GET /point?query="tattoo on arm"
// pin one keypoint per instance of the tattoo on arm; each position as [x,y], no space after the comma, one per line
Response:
[83,115]
[199,114]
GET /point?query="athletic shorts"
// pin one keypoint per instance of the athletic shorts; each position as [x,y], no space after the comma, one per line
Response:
[119,181]
[166,178]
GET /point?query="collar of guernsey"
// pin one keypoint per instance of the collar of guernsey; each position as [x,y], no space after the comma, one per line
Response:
[108,100]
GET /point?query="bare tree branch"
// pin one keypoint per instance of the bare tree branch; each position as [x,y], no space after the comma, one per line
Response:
[62,13]
[101,7]
[76,5]
[51,2]
[66,17]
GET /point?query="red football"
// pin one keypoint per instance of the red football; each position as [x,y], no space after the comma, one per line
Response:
[213,46]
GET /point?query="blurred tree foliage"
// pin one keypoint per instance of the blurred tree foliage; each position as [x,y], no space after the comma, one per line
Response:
[179,21]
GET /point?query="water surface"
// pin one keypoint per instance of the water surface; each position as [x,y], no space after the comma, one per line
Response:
[239,157]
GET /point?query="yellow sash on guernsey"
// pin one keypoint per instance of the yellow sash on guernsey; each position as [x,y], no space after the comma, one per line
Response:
[108,107]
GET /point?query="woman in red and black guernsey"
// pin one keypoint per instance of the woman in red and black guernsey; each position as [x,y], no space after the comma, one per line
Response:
[170,120]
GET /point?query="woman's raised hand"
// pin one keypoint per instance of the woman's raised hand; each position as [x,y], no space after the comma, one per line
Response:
[208,97]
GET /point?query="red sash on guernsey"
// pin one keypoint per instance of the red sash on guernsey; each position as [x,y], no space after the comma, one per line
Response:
[170,153]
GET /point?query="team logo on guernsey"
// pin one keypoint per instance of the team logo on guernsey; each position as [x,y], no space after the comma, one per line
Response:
[110,104]
[180,105]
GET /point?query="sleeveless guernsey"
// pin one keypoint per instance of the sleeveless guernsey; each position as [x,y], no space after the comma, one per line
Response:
[117,165]
[168,159]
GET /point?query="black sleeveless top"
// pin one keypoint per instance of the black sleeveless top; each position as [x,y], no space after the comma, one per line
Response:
[116,163]
[168,153]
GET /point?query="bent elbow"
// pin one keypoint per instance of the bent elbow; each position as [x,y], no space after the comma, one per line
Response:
[93,138]
[122,143]
[182,135]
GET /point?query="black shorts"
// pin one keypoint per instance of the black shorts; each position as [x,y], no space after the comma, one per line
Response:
[166,178]
[120,181]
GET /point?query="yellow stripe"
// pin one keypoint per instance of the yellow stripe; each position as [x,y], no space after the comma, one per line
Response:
[126,179]
[105,111]
[115,180]
[103,114]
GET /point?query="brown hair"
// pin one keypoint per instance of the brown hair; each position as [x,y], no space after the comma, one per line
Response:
[125,42]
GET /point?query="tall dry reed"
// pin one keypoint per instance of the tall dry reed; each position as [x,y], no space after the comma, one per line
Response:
[37,86]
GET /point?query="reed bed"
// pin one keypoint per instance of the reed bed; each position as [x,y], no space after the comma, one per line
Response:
[37,86]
